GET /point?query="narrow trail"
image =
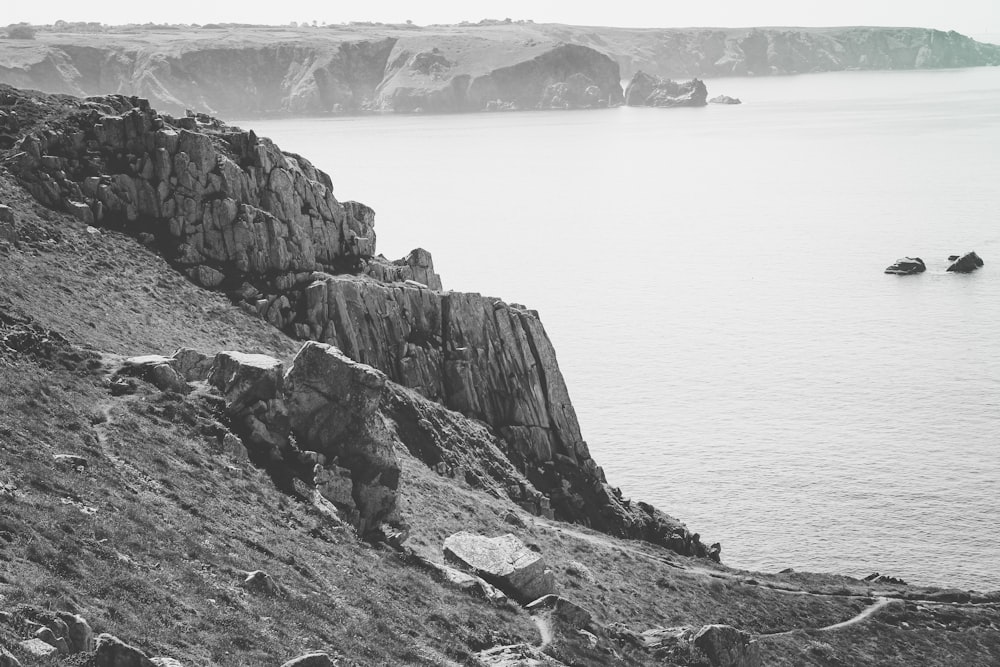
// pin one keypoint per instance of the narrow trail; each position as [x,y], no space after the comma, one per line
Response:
[882,599]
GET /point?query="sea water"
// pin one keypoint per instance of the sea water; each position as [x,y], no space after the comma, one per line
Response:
[712,280]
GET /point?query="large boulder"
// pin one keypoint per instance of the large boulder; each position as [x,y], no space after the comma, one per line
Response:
[332,404]
[311,660]
[78,632]
[726,646]
[503,561]
[113,652]
[7,659]
[157,370]
[252,386]
[966,263]
[906,266]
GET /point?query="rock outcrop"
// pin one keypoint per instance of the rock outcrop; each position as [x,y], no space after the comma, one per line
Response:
[650,91]
[966,263]
[725,99]
[234,213]
[503,561]
[906,266]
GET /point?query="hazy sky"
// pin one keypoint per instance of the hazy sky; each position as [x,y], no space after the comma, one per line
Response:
[966,16]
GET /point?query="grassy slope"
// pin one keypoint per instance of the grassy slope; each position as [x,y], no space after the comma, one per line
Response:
[151,541]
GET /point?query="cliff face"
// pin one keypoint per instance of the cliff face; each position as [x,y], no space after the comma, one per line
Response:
[235,213]
[706,53]
[243,71]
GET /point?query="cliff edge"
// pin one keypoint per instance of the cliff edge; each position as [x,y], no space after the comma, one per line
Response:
[240,70]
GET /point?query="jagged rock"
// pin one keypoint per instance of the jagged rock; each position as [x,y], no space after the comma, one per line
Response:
[515,655]
[78,632]
[645,90]
[157,370]
[206,276]
[725,99]
[232,445]
[577,569]
[211,195]
[906,266]
[417,266]
[37,648]
[503,561]
[8,233]
[876,578]
[259,581]
[468,583]
[161,661]
[726,646]
[109,651]
[192,365]
[311,660]
[8,660]
[59,643]
[70,460]
[252,385]
[332,404]
[564,612]
[967,263]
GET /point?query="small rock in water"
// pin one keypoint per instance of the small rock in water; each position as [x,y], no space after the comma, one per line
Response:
[967,263]
[725,99]
[906,266]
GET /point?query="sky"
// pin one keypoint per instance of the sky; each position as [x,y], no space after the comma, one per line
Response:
[966,16]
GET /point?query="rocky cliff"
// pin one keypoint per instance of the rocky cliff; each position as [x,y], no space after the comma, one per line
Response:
[237,214]
[246,70]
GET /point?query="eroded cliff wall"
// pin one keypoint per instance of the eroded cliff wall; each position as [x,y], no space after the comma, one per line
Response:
[237,214]
[243,71]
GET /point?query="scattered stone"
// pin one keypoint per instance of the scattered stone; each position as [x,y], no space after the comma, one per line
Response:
[109,651]
[514,519]
[206,276]
[259,581]
[157,370]
[70,460]
[726,646]
[78,632]
[50,638]
[876,578]
[577,569]
[967,263]
[8,660]
[906,266]
[515,655]
[725,99]
[503,561]
[311,660]
[166,662]
[37,648]
[232,445]
[465,582]
[192,365]
[565,612]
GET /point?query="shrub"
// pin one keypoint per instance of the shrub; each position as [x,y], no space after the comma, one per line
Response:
[20,31]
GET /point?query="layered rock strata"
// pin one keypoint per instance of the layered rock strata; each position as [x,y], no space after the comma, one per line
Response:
[235,213]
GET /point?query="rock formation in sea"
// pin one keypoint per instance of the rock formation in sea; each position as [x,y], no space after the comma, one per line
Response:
[651,91]
[725,99]
[243,70]
[966,263]
[906,266]
[237,214]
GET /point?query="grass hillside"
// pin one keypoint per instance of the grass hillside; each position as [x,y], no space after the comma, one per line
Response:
[152,534]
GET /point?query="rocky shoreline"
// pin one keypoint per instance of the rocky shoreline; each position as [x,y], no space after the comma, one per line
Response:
[244,71]
[343,461]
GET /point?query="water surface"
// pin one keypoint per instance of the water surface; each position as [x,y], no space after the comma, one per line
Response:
[712,281]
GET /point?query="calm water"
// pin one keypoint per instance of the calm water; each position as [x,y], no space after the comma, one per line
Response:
[712,279]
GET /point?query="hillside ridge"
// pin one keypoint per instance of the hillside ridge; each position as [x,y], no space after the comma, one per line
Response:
[248,70]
